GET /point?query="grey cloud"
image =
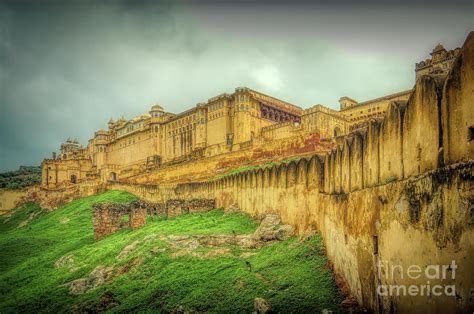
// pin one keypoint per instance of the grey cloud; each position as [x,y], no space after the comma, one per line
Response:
[67,67]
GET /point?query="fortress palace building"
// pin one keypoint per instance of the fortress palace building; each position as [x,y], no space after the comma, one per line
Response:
[224,124]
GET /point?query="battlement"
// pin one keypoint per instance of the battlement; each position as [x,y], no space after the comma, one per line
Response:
[439,63]
[320,108]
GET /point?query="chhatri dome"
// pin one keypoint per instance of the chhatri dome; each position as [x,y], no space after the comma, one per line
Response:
[157,108]
[156,111]
[438,48]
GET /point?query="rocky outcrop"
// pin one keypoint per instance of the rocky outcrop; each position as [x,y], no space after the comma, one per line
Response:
[233,208]
[66,261]
[270,229]
[97,277]
[102,275]
[261,306]
[127,250]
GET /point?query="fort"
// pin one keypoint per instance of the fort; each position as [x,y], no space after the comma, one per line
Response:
[229,128]
[385,180]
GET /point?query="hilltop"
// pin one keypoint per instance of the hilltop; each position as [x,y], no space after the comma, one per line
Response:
[23,177]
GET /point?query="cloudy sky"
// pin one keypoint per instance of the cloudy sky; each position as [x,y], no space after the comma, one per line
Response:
[66,67]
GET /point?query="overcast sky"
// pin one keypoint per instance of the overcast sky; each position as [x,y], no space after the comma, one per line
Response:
[67,67]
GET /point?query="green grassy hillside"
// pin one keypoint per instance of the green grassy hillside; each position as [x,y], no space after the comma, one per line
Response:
[154,276]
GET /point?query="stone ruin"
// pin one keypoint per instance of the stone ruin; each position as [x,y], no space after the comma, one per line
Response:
[111,217]
[178,207]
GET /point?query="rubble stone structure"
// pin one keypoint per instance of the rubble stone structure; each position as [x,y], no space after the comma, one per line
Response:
[223,124]
[111,217]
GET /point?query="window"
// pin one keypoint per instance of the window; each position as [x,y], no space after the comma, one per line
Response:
[375,240]
[125,219]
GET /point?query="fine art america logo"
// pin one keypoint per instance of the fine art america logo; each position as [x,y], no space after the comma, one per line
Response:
[429,280]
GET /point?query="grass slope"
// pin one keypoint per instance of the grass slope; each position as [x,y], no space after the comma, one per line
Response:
[289,274]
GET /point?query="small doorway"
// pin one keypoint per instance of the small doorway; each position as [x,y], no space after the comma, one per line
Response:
[73,179]
[113,176]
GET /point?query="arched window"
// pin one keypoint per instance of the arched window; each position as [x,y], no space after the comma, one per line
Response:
[337,131]
[73,179]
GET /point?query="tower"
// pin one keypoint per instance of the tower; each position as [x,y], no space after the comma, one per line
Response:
[157,114]
[242,118]
[201,126]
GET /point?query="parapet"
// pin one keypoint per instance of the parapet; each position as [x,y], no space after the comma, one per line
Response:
[439,63]
[321,108]
[347,102]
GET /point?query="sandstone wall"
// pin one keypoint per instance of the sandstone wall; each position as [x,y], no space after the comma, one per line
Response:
[50,198]
[259,151]
[457,107]
[424,220]
[9,199]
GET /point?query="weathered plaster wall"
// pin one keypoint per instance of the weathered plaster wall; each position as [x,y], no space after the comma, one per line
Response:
[206,169]
[458,107]
[424,220]
[9,199]
[54,198]
[420,221]
[421,127]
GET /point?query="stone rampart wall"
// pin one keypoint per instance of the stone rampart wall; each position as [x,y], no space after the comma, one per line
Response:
[423,220]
